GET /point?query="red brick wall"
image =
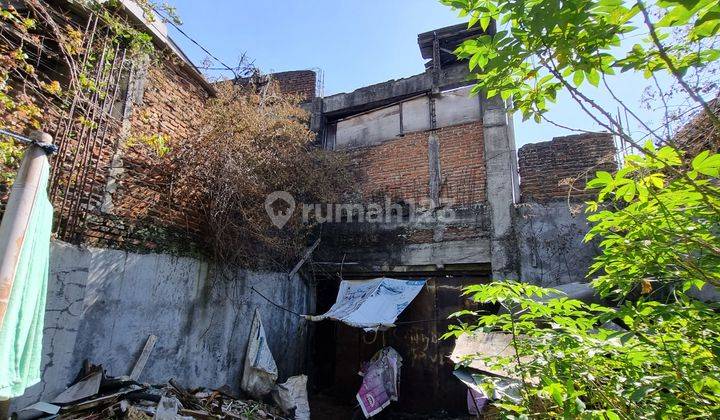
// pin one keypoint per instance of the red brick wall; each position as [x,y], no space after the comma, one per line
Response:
[399,169]
[553,169]
[462,163]
[700,133]
[146,208]
[298,82]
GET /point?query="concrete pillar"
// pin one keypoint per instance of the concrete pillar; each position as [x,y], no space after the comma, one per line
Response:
[133,97]
[501,185]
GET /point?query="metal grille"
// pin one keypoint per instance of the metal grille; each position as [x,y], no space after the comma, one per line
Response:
[87,132]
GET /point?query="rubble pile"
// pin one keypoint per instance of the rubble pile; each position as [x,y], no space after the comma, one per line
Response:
[93,395]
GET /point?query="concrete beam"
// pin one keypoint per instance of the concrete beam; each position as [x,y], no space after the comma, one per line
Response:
[381,94]
[420,257]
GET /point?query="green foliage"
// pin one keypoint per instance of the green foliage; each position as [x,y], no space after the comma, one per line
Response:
[662,230]
[652,351]
[157,143]
[544,46]
[10,156]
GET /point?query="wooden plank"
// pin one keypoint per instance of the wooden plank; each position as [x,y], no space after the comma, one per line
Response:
[144,356]
[81,390]
[304,258]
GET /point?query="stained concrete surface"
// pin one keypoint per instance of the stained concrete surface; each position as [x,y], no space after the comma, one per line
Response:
[550,243]
[103,304]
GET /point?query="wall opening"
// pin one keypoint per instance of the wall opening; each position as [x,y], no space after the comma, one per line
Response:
[427,384]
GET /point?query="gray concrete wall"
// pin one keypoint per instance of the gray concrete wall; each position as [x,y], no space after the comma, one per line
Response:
[452,107]
[430,242]
[502,183]
[103,304]
[550,243]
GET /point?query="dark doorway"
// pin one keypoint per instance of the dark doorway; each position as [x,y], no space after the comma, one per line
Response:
[427,385]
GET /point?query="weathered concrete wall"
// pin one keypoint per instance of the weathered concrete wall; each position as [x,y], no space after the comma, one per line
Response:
[550,224]
[103,304]
[385,93]
[452,107]
[431,242]
[502,184]
[550,243]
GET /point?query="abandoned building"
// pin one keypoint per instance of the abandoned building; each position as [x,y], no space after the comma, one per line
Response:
[422,143]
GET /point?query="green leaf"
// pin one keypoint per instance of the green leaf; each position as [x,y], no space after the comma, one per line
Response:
[578,77]
[593,77]
[707,164]
[641,392]
[484,22]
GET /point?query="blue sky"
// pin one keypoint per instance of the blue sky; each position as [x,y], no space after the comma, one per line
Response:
[355,42]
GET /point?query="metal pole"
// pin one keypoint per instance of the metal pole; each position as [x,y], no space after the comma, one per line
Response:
[17,214]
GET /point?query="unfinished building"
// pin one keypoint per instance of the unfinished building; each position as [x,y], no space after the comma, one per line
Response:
[447,161]
[464,207]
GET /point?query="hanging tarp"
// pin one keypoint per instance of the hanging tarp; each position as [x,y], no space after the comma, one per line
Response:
[260,372]
[21,329]
[372,304]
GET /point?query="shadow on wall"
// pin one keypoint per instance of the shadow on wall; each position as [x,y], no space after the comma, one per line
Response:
[103,304]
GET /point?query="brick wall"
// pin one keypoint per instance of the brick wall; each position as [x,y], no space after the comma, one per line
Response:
[553,169]
[396,169]
[700,133]
[298,82]
[145,210]
[399,169]
[462,163]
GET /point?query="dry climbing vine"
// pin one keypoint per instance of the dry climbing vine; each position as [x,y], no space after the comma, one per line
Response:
[254,141]
[46,63]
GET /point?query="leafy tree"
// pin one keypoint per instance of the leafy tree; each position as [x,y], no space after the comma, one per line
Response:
[652,350]
[660,355]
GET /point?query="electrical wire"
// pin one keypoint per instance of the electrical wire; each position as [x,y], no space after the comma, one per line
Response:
[183,33]
[275,304]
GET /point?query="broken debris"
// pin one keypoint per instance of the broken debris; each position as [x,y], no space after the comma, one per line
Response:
[97,396]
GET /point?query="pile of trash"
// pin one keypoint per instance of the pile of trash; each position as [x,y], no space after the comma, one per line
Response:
[93,395]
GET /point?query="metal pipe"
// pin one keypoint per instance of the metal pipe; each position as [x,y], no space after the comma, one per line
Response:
[17,214]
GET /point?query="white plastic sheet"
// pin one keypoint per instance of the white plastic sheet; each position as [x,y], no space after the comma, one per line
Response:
[260,371]
[372,304]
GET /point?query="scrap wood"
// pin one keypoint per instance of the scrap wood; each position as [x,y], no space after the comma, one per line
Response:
[188,400]
[133,413]
[96,402]
[227,391]
[141,395]
[81,390]
[197,414]
[305,257]
[121,397]
[144,356]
